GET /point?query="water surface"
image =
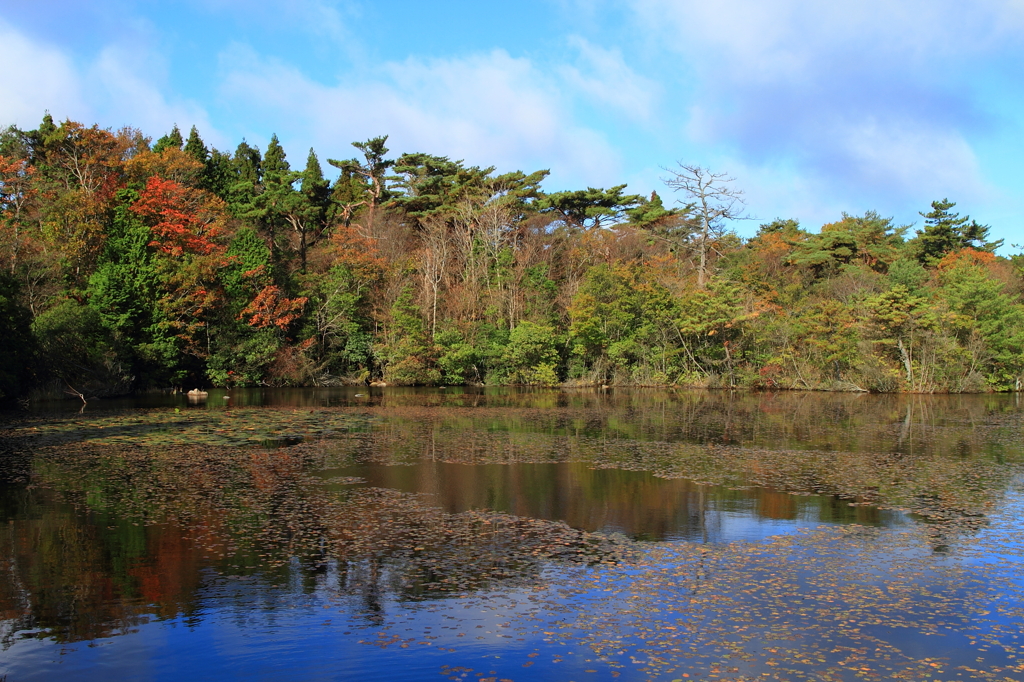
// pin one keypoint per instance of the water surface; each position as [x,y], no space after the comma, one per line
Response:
[498,534]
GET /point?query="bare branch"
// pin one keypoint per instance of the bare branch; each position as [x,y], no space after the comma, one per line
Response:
[714,202]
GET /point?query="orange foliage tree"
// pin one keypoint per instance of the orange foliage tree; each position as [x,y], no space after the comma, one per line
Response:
[187,227]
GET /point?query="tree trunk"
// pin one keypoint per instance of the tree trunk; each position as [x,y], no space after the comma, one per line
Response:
[907,362]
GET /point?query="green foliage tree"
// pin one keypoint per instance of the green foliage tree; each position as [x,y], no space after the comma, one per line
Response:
[869,240]
[76,350]
[195,148]
[122,290]
[406,355]
[306,210]
[945,232]
[239,353]
[365,182]
[588,208]
[172,140]
[622,327]
[709,322]
[904,321]
[17,343]
[984,309]
[531,356]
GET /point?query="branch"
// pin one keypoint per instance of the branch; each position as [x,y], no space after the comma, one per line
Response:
[71,390]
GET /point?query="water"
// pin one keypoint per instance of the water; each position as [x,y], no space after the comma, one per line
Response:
[519,535]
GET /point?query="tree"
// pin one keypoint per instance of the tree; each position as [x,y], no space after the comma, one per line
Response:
[373,171]
[870,240]
[17,345]
[171,139]
[186,225]
[983,307]
[714,202]
[945,231]
[80,170]
[16,196]
[621,324]
[434,262]
[589,208]
[306,209]
[530,356]
[244,180]
[651,214]
[671,226]
[340,310]
[428,182]
[903,318]
[273,194]
[123,291]
[195,148]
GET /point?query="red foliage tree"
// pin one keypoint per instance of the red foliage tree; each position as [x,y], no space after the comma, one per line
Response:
[182,219]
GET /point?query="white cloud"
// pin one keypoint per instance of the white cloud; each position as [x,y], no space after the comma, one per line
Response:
[486,108]
[871,94]
[604,76]
[124,93]
[41,78]
[321,18]
[120,86]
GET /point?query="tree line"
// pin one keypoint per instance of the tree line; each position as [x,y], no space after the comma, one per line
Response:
[127,265]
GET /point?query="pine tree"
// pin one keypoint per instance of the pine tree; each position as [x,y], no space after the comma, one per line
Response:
[195,148]
[945,232]
[171,139]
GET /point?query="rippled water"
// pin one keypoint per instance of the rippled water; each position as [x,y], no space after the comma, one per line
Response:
[520,535]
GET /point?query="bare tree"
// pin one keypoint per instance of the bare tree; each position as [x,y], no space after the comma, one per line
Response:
[436,254]
[714,202]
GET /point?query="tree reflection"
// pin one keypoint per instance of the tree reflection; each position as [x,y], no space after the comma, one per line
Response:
[117,529]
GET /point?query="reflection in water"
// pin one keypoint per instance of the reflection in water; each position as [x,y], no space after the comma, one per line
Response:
[635,503]
[320,535]
[910,424]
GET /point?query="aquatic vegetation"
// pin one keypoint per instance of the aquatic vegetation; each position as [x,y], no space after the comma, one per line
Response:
[130,519]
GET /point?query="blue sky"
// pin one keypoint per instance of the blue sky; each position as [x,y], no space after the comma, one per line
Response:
[815,108]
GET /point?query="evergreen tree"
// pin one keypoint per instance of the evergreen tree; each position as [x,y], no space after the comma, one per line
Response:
[246,179]
[272,201]
[589,208]
[671,226]
[171,139]
[869,240]
[370,174]
[17,344]
[123,291]
[218,174]
[305,210]
[275,162]
[248,164]
[195,148]
[945,232]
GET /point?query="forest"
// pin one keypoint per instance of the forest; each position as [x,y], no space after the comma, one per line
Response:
[130,265]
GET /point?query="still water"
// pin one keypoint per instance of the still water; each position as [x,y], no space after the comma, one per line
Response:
[344,534]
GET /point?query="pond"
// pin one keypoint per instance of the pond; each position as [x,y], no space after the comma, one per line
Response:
[502,534]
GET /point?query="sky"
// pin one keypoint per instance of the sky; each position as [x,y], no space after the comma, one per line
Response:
[814,108]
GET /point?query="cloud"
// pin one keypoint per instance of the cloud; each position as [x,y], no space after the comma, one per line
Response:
[119,86]
[41,78]
[603,76]
[874,95]
[487,108]
[124,92]
[322,19]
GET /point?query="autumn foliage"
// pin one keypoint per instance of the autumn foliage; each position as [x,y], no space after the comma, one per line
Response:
[168,262]
[183,220]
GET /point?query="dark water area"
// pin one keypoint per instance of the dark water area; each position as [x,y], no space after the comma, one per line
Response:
[637,504]
[501,534]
